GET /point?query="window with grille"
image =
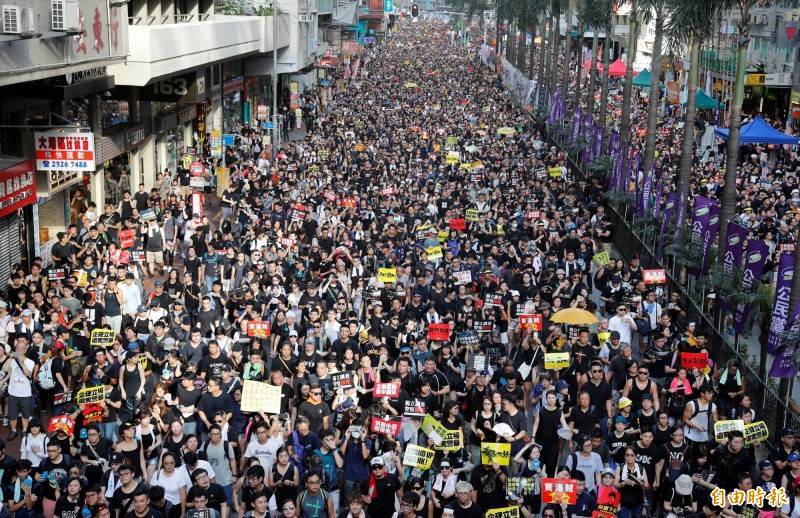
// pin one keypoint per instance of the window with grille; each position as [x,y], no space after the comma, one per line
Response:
[57,15]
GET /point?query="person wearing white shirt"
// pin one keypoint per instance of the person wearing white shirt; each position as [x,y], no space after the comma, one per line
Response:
[175,482]
[132,295]
[623,323]
[19,369]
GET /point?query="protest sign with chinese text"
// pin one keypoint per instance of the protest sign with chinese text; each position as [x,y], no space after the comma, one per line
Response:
[499,452]
[261,397]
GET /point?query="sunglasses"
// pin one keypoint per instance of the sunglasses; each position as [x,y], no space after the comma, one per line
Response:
[376,467]
[316,393]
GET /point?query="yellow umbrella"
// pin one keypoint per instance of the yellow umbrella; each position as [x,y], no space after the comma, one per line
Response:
[574,317]
[506,130]
[409,85]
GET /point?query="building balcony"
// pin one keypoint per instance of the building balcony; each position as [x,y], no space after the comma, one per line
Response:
[365,13]
[162,46]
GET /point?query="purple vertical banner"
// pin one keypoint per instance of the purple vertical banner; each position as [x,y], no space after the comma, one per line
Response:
[669,209]
[701,217]
[573,130]
[708,238]
[783,365]
[755,259]
[733,254]
[551,118]
[598,141]
[562,108]
[780,311]
[657,199]
[647,190]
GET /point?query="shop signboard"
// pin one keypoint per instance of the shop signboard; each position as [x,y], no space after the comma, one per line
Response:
[17,187]
[61,151]
[262,112]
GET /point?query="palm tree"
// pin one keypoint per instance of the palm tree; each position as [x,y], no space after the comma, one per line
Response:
[690,24]
[556,43]
[542,56]
[605,8]
[627,91]
[581,12]
[728,208]
[565,79]
[595,19]
[654,8]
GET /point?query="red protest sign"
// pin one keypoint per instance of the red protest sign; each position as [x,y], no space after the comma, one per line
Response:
[196,169]
[559,490]
[694,360]
[92,413]
[530,322]
[62,423]
[439,332]
[654,276]
[391,390]
[127,238]
[388,426]
[348,202]
[458,224]
[258,329]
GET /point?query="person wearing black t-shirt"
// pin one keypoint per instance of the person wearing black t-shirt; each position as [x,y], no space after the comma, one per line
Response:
[71,502]
[213,492]
[141,507]
[122,500]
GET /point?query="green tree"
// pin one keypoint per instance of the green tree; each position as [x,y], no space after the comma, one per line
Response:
[653,9]
[728,207]
[627,90]
[689,24]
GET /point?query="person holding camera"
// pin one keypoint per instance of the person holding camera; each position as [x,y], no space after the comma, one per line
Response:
[356,450]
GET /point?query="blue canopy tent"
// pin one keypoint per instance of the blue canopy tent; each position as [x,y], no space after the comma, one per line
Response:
[759,132]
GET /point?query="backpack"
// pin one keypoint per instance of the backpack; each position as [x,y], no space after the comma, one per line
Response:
[224,450]
[300,451]
[45,376]
[303,494]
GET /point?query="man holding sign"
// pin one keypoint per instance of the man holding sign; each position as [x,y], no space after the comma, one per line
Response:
[380,489]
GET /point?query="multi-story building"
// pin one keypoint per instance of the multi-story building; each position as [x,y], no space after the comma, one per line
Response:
[55,82]
[772,56]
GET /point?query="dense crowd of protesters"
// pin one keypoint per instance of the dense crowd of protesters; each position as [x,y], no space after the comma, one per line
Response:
[350,244]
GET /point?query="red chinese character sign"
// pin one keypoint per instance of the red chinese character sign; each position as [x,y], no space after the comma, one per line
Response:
[61,423]
[559,490]
[391,390]
[530,322]
[59,151]
[97,30]
[389,426]
[17,187]
[439,332]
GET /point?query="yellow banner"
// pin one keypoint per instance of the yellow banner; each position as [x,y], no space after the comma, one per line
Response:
[471,215]
[223,173]
[601,259]
[102,338]
[434,253]
[433,428]
[453,440]
[755,433]
[499,452]
[554,172]
[418,457]
[453,157]
[556,361]
[386,275]
[261,397]
[442,236]
[91,395]
[503,512]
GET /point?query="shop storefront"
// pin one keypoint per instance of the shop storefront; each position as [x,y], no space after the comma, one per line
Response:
[232,91]
[118,160]
[174,136]
[17,204]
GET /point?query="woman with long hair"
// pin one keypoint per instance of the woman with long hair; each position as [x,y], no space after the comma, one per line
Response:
[131,448]
[481,426]
[631,480]
[283,478]
[131,382]
[175,438]
[34,443]
[150,437]
[545,428]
